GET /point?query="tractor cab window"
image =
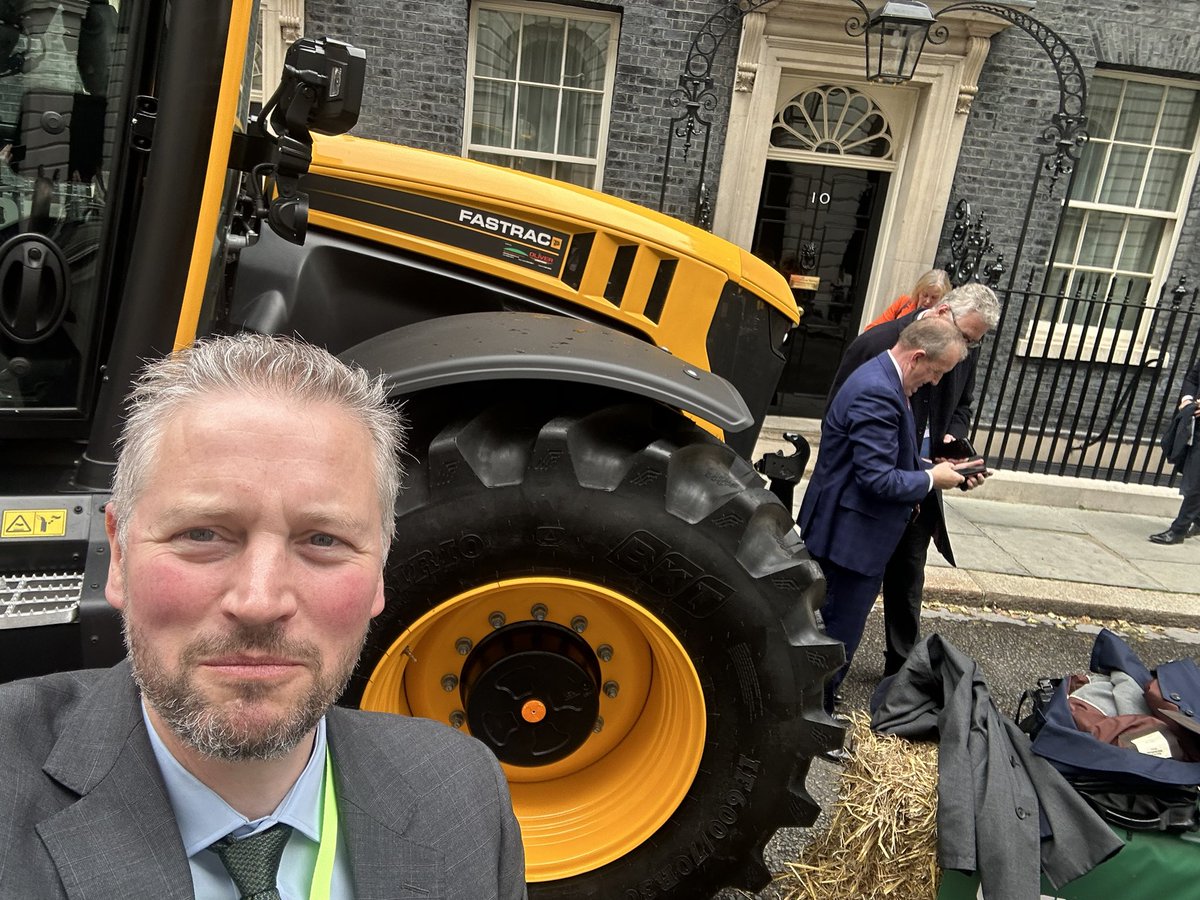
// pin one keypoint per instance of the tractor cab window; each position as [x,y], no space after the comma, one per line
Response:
[61,68]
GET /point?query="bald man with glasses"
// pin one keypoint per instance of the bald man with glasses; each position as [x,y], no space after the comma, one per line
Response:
[942,412]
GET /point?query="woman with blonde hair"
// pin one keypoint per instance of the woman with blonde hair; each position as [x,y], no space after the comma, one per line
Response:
[929,289]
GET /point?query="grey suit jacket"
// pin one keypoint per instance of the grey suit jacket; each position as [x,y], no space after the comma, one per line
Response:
[84,814]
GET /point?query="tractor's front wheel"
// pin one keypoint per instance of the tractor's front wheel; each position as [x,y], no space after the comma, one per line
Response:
[607,597]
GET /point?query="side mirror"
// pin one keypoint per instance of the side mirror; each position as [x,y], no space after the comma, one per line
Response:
[321,91]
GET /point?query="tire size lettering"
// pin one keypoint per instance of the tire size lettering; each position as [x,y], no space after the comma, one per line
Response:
[745,773]
[670,574]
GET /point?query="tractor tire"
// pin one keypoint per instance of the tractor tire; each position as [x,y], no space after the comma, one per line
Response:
[608,597]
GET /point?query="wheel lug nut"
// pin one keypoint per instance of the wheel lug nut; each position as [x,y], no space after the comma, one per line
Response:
[497,619]
[605,652]
[463,646]
[449,683]
[539,611]
[599,726]
[579,624]
[611,689]
[457,718]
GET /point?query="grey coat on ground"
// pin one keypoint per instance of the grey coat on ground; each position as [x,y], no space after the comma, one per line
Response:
[84,814]
[991,786]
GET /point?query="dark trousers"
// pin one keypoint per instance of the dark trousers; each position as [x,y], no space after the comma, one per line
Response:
[1189,513]
[903,583]
[849,596]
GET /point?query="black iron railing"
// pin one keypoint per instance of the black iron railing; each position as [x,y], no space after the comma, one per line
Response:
[1083,383]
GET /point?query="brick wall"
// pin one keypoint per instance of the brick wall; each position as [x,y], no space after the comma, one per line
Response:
[416,81]
[1018,93]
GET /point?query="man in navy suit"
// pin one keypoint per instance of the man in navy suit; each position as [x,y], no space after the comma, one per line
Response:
[941,413]
[869,476]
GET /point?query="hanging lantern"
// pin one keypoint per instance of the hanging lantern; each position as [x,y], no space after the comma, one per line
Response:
[895,35]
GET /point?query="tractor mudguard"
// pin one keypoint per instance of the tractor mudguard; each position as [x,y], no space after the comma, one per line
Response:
[490,346]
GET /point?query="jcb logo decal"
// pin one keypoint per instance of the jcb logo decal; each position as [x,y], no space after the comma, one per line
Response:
[671,574]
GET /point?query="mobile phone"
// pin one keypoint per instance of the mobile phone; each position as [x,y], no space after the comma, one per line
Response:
[959,448]
[976,466]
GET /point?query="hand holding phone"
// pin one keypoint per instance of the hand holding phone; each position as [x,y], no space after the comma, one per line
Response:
[970,468]
[955,448]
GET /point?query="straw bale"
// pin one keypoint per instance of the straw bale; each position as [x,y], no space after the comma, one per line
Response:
[882,836]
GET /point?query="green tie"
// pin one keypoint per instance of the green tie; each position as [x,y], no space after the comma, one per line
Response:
[253,862]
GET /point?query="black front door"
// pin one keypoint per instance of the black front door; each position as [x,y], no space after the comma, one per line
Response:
[818,225]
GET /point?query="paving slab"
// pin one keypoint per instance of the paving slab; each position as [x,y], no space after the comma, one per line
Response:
[1173,576]
[1063,598]
[981,511]
[978,552]
[1129,536]
[1067,557]
[957,523]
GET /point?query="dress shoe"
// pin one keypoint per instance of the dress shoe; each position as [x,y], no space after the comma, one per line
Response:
[1167,537]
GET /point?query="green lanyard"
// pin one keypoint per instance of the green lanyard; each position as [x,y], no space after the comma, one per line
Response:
[322,880]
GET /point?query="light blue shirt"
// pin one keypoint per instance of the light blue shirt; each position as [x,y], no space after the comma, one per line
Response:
[896,366]
[204,818]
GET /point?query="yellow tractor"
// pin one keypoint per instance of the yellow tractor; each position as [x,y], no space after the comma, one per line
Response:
[589,576]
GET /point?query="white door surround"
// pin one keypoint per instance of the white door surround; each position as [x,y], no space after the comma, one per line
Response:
[792,45]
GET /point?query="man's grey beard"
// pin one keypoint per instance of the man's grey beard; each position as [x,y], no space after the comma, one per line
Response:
[215,731]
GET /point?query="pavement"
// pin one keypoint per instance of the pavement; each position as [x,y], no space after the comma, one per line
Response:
[1050,544]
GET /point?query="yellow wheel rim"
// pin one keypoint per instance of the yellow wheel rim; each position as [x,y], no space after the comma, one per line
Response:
[602,801]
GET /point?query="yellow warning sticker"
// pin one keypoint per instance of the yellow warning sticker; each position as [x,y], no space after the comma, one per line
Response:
[33,523]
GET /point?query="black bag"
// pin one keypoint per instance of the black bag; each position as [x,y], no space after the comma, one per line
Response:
[1132,803]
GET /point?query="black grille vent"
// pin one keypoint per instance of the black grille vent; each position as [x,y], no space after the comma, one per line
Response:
[658,291]
[577,257]
[618,278]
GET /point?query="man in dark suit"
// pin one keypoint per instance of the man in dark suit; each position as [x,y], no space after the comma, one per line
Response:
[869,476]
[248,528]
[941,413]
[1187,523]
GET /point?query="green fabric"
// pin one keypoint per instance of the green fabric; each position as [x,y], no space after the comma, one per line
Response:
[253,862]
[1152,866]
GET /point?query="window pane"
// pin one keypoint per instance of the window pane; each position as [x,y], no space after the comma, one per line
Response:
[491,115]
[543,167]
[1124,176]
[576,173]
[1089,285]
[537,110]
[1100,239]
[542,50]
[1072,221]
[1139,112]
[1087,174]
[1141,244]
[1127,289]
[496,159]
[579,131]
[1163,180]
[1180,112]
[520,163]
[496,46]
[587,51]
[1102,106]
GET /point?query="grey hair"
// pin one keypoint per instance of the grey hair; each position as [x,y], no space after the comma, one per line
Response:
[256,365]
[938,337]
[977,298]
